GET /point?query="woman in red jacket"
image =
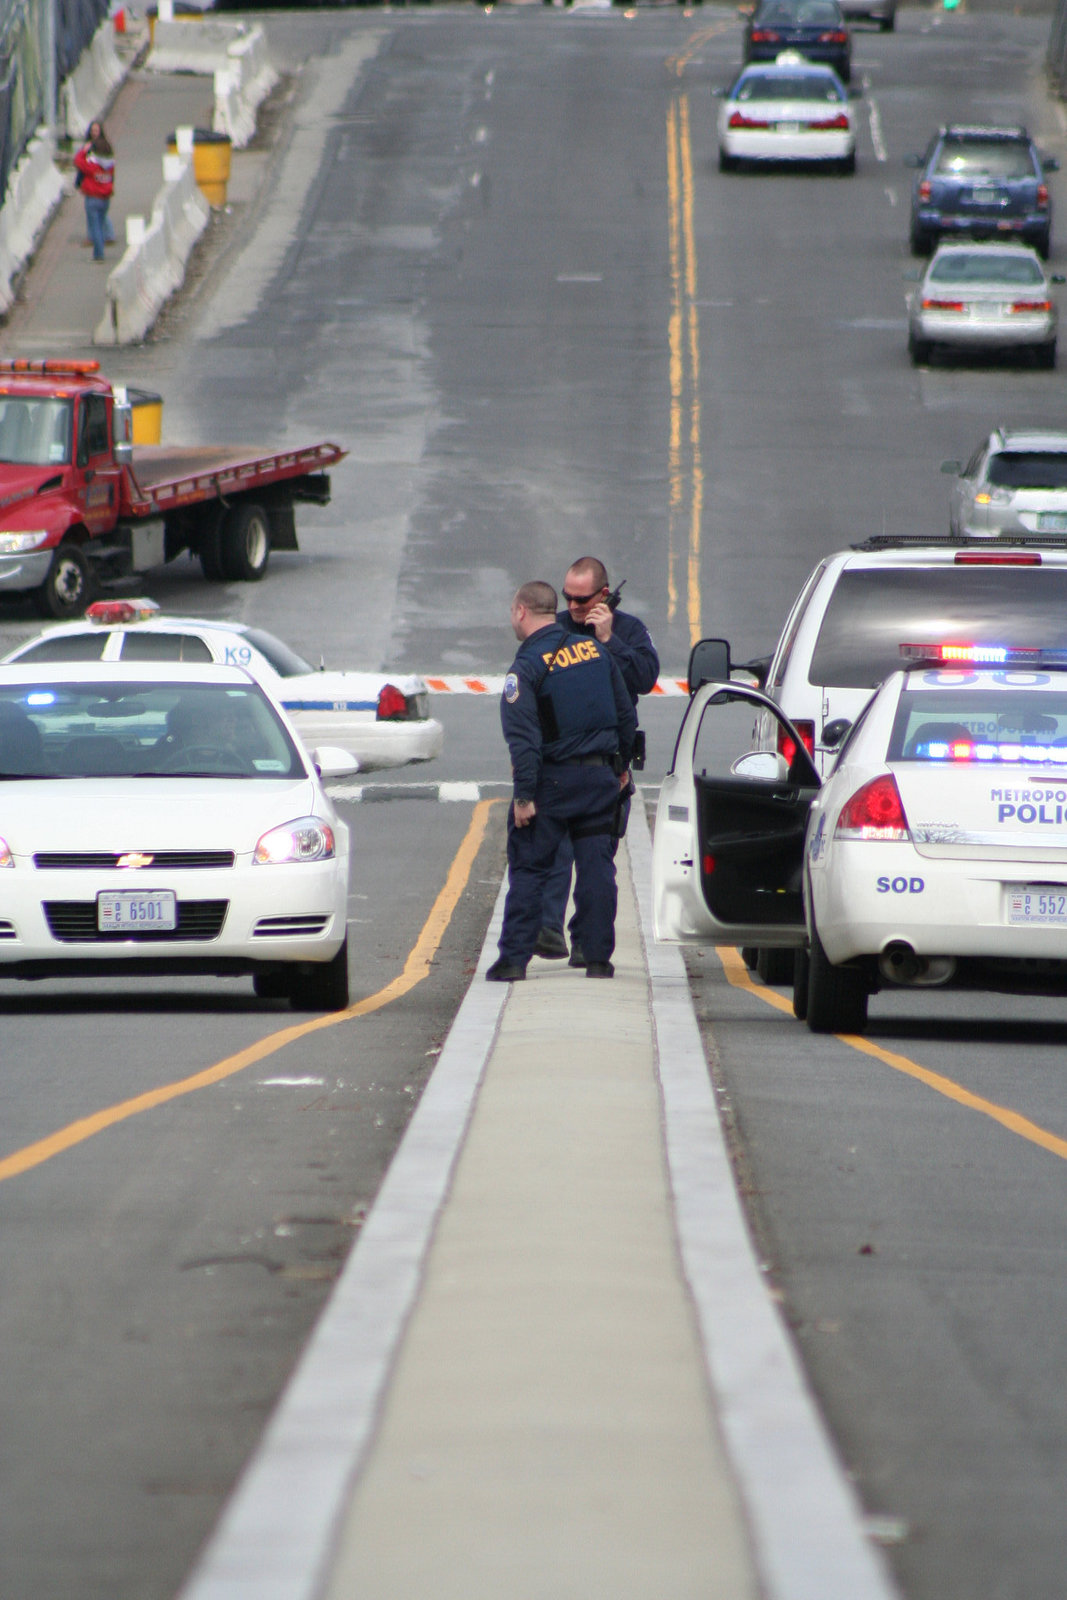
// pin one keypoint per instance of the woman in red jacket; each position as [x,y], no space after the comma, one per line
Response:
[96,163]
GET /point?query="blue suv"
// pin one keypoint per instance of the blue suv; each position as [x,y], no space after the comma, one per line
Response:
[982,183]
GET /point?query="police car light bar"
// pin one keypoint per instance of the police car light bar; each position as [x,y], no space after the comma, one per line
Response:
[982,655]
[108,612]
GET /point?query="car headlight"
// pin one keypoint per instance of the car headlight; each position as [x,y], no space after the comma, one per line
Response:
[12,543]
[306,839]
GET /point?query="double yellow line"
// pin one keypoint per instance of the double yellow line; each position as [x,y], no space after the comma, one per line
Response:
[686,468]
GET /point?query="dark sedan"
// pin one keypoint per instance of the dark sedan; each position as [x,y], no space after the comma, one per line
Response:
[981,183]
[814,28]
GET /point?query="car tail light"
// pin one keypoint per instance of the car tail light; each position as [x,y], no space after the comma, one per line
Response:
[787,746]
[997,558]
[765,36]
[392,704]
[926,189]
[944,305]
[708,864]
[1042,195]
[834,36]
[874,812]
[834,122]
[1032,305]
[737,120]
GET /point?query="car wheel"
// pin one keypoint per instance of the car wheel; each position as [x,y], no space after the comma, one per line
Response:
[244,543]
[69,586]
[727,163]
[919,350]
[775,967]
[887,24]
[209,551]
[1043,244]
[846,73]
[1045,356]
[322,987]
[847,165]
[837,996]
[749,955]
[800,983]
[921,241]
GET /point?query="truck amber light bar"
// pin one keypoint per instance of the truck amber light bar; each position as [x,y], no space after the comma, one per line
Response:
[73,369]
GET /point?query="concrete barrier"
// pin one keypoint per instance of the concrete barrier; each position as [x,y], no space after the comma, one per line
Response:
[34,190]
[153,266]
[241,86]
[233,53]
[89,89]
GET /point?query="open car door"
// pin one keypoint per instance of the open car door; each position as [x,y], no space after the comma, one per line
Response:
[728,853]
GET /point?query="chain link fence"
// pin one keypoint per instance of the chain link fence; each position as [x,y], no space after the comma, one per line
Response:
[1056,60]
[32,32]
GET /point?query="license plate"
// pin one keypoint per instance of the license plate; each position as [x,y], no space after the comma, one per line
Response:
[1052,521]
[136,910]
[1032,905]
[788,127]
[989,311]
[984,197]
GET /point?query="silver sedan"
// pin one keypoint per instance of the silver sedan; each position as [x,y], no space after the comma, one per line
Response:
[984,297]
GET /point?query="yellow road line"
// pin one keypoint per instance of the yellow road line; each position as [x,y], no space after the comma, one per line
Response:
[676,364]
[684,369]
[696,514]
[738,975]
[416,967]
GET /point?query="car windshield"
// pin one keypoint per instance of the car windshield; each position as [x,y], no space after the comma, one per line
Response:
[286,662]
[35,433]
[1028,469]
[797,86]
[873,611]
[993,724]
[108,730]
[980,266]
[984,160]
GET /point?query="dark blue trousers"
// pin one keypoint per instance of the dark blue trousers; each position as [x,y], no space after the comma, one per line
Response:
[577,804]
[558,882]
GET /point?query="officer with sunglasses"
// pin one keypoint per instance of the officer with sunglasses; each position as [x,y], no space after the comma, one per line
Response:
[569,724]
[593,612]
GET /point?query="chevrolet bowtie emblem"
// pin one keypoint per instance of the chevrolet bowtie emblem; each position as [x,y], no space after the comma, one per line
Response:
[134,858]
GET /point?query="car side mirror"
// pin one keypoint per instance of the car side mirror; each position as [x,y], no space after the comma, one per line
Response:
[1050,164]
[955,467]
[331,762]
[913,275]
[834,732]
[1057,277]
[709,662]
[767,766]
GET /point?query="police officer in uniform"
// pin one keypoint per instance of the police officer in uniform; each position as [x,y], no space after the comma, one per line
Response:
[569,724]
[628,641]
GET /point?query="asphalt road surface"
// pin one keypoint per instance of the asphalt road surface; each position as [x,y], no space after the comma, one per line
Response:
[494,258]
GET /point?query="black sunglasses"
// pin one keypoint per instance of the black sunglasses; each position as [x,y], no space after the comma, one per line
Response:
[583,599]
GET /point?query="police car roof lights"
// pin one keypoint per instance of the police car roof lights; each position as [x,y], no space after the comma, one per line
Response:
[108,612]
[981,655]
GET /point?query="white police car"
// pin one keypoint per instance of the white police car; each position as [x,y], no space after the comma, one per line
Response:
[935,852]
[383,721]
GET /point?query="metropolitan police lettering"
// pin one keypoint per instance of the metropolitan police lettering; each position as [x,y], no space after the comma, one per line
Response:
[1046,807]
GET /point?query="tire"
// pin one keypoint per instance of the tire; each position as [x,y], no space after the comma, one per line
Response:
[727,163]
[775,967]
[244,543]
[887,24]
[837,996]
[919,350]
[847,165]
[800,983]
[69,586]
[1045,356]
[921,242]
[323,987]
[749,955]
[273,985]
[1043,245]
[209,551]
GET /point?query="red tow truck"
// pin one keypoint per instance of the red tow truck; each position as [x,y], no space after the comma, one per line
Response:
[81,506]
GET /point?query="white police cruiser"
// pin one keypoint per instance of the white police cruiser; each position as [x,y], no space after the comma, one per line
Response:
[382,720]
[933,854]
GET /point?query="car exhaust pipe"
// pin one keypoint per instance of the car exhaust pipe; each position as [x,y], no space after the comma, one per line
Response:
[898,963]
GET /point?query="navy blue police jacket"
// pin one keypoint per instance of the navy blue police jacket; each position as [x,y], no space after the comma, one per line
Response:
[630,647]
[563,698]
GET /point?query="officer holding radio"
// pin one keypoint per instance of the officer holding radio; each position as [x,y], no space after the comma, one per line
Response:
[569,724]
[593,612]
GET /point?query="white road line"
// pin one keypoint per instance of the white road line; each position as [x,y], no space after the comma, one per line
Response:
[877,138]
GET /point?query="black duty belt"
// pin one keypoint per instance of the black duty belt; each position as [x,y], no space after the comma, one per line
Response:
[582,761]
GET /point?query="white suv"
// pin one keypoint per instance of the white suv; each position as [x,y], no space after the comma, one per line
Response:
[845,629]
[1014,484]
